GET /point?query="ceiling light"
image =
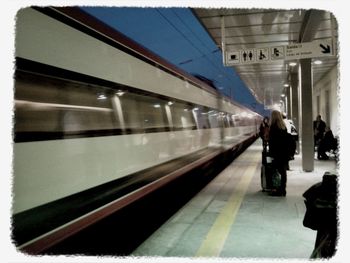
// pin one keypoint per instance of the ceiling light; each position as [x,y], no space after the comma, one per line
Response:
[101,97]
[120,93]
[286,85]
[317,62]
[283,95]
[292,64]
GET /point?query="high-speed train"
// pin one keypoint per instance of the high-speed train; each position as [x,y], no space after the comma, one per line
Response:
[94,113]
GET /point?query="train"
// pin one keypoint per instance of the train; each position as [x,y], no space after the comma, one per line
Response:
[95,116]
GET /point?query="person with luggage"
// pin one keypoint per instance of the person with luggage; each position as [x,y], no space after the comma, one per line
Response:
[326,144]
[264,132]
[278,147]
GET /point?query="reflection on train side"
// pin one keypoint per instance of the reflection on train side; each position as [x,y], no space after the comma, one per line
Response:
[50,108]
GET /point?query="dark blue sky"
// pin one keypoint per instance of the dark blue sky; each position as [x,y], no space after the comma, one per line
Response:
[176,35]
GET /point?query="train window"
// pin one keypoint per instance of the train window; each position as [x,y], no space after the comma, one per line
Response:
[182,116]
[52,108]
[231,120]
[130,111]
[200,114]
[236,118]
[213,119]
[143,112]
[226,120]
[48,105]
[222,120]
[152,113]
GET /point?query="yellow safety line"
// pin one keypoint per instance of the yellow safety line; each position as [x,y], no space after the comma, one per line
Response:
[216,237]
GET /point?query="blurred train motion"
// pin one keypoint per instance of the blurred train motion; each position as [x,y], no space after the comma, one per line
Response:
[94,114]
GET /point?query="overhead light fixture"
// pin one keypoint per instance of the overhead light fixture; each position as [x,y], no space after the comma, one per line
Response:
[101,97]
[292,64]
[120,93]
[318,62]
[283,95]
[286,85]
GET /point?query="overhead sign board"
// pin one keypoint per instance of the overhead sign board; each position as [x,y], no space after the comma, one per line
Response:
[317,48]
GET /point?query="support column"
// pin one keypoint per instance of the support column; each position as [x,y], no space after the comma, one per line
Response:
[294,88]
[307,133]
[294,81]
[289,102]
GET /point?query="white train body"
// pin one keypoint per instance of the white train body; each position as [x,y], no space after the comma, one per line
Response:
[72,135]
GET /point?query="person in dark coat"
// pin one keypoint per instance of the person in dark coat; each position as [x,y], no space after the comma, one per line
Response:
[321,214]
[278,148]
[264,132]
[319,129]
[326,144]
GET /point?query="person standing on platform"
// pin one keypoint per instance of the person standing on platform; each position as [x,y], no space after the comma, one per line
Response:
[264,132]
[326,144]
[319,129]
[278,144]
[290,128]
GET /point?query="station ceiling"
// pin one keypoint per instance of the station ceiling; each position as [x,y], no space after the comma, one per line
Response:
[245,29]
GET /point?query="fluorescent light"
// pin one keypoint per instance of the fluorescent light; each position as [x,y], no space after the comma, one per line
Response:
[120,93]
[101,97]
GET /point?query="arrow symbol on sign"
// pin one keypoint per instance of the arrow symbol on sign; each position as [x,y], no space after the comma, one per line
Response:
[325,50]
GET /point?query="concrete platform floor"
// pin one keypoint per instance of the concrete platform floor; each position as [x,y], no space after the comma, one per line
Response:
[232,218]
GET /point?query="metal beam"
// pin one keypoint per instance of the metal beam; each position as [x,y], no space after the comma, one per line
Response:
[310,25]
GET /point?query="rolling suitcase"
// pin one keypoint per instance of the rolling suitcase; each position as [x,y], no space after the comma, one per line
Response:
[270,178]
[266,166]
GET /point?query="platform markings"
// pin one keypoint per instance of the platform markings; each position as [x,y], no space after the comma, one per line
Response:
[217,235]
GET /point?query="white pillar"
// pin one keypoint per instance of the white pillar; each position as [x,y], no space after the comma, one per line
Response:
[294,88]
[307,134]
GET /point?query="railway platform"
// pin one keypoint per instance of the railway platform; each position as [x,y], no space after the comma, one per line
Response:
[233,218]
